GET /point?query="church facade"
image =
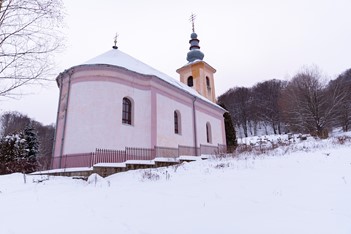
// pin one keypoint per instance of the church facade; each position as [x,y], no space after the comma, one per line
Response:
[114,101]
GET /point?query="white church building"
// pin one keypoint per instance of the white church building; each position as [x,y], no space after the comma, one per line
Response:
[115,101]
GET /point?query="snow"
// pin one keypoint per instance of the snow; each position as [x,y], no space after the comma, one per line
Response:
[205,156]
[118,58]
[163,159]
[301,188]
[140,162]
[189,158]
[72,169]
[110,165]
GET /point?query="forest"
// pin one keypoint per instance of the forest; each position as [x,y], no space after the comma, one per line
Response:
[306,104]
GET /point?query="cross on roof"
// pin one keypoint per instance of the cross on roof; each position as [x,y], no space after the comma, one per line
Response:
[192,20]
[115,41]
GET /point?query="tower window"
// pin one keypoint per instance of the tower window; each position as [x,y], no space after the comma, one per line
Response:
[177,122]
[190,81]
[208,133]
[127,111]
[208,84]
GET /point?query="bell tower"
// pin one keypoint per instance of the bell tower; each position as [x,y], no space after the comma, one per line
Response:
[197,73]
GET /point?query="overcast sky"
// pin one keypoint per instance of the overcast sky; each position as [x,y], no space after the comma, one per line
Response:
[247,41]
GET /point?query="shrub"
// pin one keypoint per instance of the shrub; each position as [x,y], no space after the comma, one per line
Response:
[149,175]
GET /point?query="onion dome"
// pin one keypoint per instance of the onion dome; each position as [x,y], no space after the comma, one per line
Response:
[195,52]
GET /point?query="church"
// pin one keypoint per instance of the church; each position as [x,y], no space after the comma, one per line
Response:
[114,101]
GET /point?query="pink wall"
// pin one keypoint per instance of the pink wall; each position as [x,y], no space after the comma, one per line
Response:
[61,113]
[95,107]
[95,117]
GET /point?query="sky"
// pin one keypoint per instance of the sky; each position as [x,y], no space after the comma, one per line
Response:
[246,41]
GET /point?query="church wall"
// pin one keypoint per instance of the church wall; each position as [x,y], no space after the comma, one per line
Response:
[216,128]
[61,113]
[101,127]
[94,115]
[165,122]
[168,102]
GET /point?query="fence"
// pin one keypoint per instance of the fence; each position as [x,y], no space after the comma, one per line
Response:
[109,156]
[73,160]
[140,154]
[119,156]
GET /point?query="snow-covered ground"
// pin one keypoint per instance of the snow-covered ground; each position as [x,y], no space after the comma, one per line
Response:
[303,188]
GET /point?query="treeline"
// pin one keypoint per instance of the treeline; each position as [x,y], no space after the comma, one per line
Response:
[308,103]
[25,144]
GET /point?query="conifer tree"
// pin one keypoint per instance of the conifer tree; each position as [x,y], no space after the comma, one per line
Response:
[12,149]
[31,149]
[230,134]
[19,151]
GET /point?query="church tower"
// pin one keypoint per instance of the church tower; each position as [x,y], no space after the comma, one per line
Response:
[197,73]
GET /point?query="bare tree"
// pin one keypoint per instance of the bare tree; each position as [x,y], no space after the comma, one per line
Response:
[343,83]
[46,140]
[29,34]
[13,122]
[238,101]
[266,97]
[309,104]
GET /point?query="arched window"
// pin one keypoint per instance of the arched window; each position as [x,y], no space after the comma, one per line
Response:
[177,122]
[190,81]
[208,84]
[208,133]
[127,111]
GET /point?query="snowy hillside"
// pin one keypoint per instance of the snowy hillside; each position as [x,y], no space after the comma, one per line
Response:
[301,189]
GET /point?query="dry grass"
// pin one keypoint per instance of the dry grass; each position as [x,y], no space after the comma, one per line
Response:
[150,175]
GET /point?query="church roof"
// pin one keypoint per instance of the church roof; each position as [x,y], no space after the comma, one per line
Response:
[118,58]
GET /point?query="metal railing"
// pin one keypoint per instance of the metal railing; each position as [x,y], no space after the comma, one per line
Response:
[140,153]
[130,153]
[109,156]
[73,160]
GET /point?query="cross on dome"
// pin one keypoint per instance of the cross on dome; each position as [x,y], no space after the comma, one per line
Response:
[115,41]
[192,20]
[194,53]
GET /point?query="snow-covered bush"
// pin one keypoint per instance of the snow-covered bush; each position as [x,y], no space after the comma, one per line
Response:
[18,152]
[342,140]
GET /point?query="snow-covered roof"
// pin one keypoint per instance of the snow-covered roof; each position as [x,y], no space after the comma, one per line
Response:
[118,58]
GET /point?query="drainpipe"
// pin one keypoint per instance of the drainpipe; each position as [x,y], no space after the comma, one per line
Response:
[194,121]
[65,119]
